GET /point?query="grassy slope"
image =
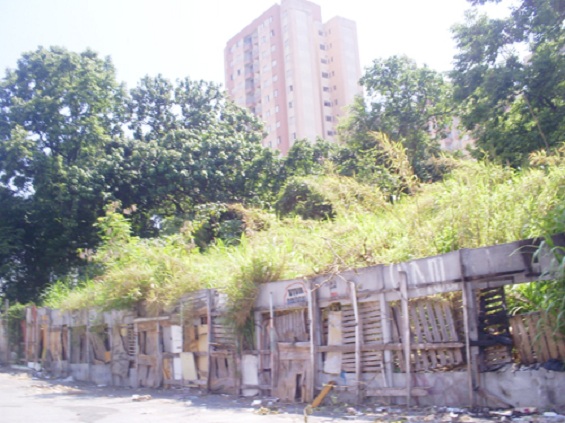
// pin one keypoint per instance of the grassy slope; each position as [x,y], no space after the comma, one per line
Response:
[479,204]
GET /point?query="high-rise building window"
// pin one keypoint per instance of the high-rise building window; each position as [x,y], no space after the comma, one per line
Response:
[276,93]
[274,63]
[278,124]
[290,104]
[327,103]
[324,61]
[277,108]
[325,75]
[322,46]
[328,118]
[326,89]
[290,88]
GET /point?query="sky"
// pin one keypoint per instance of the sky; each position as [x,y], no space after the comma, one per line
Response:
[186,38]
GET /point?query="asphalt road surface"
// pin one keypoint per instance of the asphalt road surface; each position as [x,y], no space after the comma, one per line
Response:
[26,399]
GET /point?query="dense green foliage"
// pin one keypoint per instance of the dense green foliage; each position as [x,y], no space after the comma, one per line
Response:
[509,76]
[72,140]
[109,197]
[479,204]
[407,103]
[58,121]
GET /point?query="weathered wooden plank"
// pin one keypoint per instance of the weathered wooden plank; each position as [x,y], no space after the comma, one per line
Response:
[406,341]
[146,360]
[558,338]
[518,338]
[538,339]
[358,342]
[425,325]
[550,340]
[334,358]
[386,338]
[470,312]
[420,360]
[451,328]
[436,336]
[396,324]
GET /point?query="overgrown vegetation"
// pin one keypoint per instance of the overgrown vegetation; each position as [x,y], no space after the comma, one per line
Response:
[478,204]
[189,198]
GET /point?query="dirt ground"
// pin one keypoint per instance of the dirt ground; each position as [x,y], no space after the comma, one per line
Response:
[28,399]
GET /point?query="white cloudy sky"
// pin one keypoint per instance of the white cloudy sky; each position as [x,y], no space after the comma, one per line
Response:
[180,38]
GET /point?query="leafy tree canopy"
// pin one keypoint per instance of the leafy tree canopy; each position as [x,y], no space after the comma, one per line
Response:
[509,76]
[190,146]
[405,102]
[59,115]
[64,155]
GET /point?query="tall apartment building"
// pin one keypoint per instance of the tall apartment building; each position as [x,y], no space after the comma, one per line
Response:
[294,72]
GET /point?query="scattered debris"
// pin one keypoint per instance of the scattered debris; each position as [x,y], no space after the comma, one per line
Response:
[526,410]
[325,391]
[263,411]
[551,416]
[141,397]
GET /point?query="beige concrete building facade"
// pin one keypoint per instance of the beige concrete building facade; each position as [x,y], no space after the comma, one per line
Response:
[295,72]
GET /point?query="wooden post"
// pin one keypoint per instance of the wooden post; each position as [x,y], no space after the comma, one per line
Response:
[387,339]
[36,338]
[258,321]
[358,342]
[136,357]
[27,335]
[314,330]
[209,300]
[406,333]
[471,333]
[273,345]
[87,346]
[159,358]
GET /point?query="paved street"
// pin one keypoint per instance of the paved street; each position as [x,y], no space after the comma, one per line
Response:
[27,400]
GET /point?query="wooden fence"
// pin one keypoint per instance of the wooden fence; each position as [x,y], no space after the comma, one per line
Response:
[535,339]
[359,330]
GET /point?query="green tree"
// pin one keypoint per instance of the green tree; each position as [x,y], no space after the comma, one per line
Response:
[59,119]
[509,77]
[191,146]
[407,103]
